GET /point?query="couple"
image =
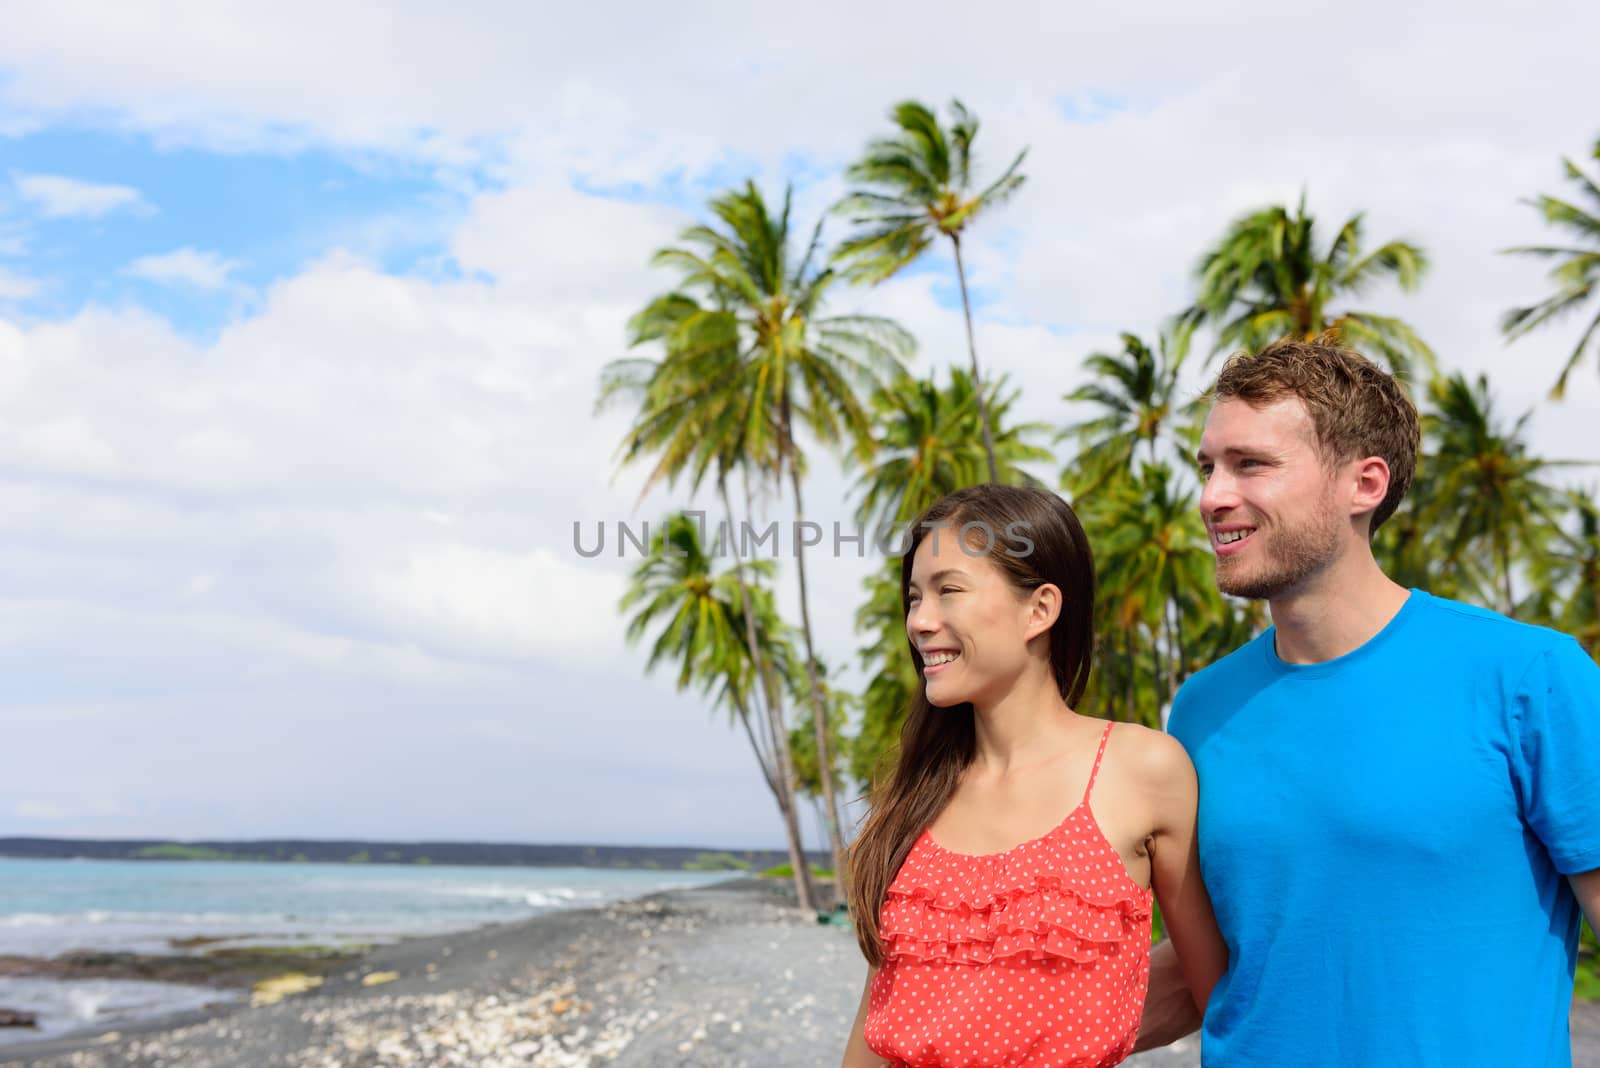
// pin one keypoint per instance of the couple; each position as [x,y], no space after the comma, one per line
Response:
[1397,796]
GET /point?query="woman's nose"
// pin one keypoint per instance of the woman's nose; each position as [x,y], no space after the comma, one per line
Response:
[921,619]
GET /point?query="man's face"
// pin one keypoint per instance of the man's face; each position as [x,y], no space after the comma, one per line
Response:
[1269,501]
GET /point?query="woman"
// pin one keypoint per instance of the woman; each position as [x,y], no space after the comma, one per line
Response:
[997,931]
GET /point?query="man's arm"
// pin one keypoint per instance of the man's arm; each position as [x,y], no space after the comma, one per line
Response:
[1586,886]
[1169,1008]
[1182,971]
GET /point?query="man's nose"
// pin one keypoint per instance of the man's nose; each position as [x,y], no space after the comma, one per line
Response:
[1218,493]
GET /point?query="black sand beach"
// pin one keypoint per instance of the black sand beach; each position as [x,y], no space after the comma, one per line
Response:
[722,976]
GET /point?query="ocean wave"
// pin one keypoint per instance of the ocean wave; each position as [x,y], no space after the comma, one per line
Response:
[138,907]
[67,1005]
[106,917]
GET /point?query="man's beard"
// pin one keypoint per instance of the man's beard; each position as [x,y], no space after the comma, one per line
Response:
[1285,558]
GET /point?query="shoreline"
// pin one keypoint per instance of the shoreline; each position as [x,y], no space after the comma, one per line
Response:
[564,972]
[720,975]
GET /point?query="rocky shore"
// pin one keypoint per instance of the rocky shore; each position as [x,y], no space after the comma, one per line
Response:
[723,976]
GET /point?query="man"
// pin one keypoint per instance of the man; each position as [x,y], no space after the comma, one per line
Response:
[1399,795]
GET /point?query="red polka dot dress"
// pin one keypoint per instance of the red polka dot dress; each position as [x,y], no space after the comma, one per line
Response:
[1038,956]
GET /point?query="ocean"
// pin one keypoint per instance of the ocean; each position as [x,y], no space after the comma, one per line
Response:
[50,907]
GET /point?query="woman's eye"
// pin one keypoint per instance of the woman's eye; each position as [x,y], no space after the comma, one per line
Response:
[950,589]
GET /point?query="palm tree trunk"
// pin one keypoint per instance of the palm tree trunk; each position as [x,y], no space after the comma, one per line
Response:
[1159,681]
[1131,665]
[762,757]
[1177,634]
[780,745]
[972,349]
[1170,662]
[1505,574]
[819,713]
[783,772]
[1594,618]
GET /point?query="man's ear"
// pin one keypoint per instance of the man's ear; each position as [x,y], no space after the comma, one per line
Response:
[1369,485]
[1044,608]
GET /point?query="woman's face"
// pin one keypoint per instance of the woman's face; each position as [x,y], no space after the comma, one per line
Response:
[970,624]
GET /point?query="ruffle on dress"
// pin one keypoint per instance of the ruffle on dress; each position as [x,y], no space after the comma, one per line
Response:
[940,909]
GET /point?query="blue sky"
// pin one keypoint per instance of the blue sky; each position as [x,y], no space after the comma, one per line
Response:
[302,313]
[263,216]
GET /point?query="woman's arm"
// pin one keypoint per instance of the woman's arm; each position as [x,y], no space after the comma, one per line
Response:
[1169,1010]
[856,1053]
[1197,955]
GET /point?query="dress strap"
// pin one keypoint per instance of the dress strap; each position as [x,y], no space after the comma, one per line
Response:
[1104,736]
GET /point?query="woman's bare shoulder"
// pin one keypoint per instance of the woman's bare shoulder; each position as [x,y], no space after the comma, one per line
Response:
[1150,758]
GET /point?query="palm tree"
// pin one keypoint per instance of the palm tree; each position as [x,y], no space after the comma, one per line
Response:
[1577,277]
[887,696]
[912,188]
[1132,482]
[746,326]
[699,620]
[1134,395]
[803,739]
[1488,490]
[1570,573]
[930,443]
[1267,279]
[687,416]
[1153,576]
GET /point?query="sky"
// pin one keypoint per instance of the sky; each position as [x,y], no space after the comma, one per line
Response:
[303,309]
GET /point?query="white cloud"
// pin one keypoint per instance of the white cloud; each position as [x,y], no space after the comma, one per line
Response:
[185,266]
[349,514]
[483,600]
[458,412]
[42,811]
[15,286]
[58,197]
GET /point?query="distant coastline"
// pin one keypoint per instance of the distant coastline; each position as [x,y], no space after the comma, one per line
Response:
[359,851]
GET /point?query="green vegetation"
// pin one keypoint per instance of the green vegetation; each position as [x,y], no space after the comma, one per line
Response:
[1587,978]
[1266,278]
[173,851]
[786,871]
[747,357]
[1577,275]
[912,189]
[750,361]
[716,862]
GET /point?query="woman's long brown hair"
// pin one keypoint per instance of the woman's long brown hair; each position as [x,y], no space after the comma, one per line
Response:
[1034,538]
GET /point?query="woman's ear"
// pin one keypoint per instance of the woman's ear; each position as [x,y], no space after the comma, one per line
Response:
[1044,608]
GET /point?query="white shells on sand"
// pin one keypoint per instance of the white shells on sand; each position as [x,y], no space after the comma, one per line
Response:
[536,1031]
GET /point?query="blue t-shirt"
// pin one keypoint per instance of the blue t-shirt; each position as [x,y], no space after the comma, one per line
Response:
[1386,838]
